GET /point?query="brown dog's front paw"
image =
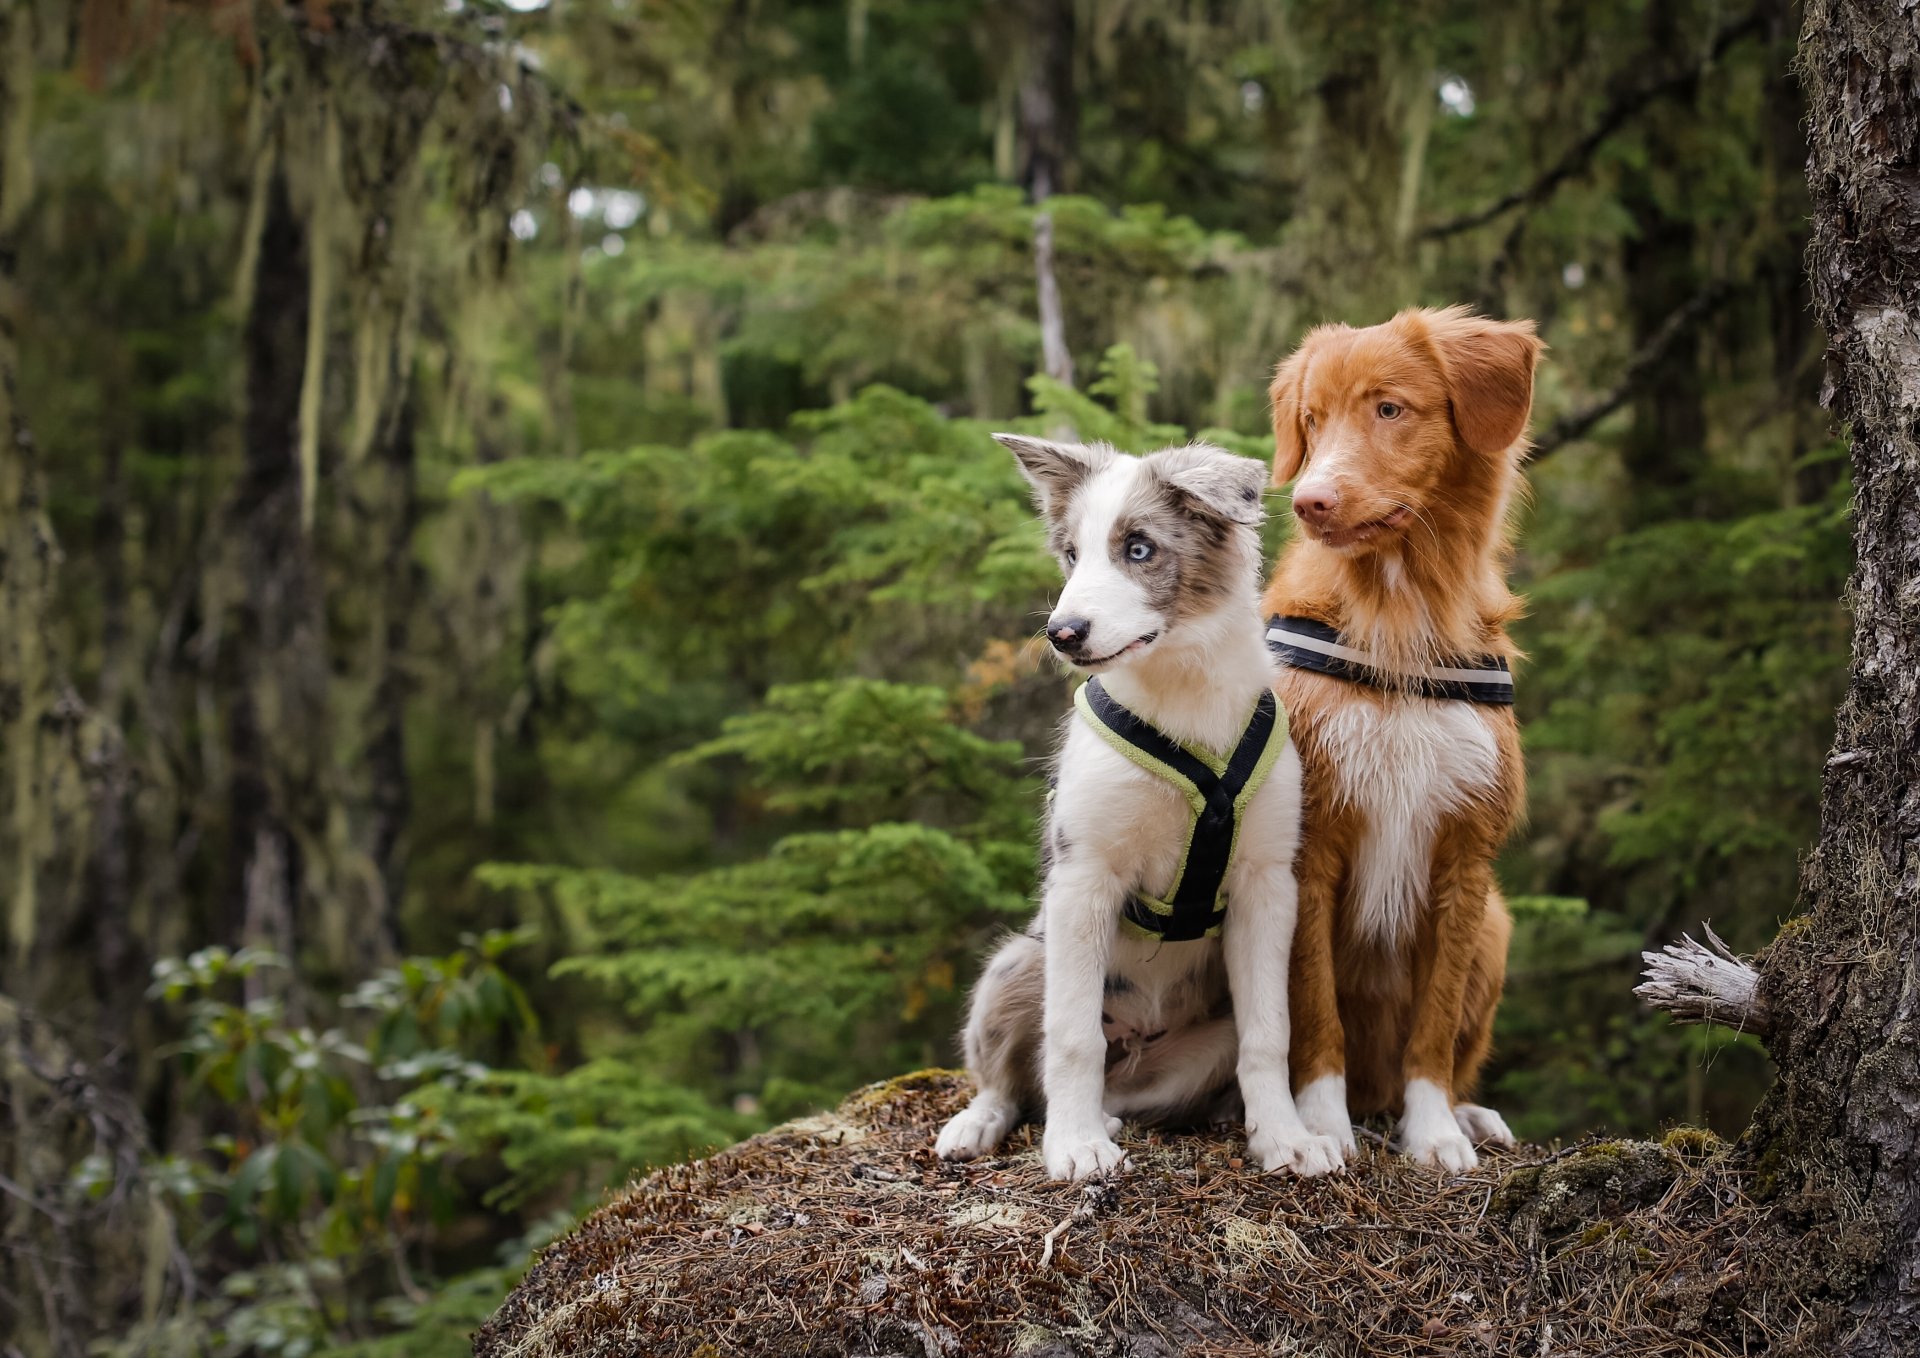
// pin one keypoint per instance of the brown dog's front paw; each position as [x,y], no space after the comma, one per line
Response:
[1428,1134]
[1483,1126]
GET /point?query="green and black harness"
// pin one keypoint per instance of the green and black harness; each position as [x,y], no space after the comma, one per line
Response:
[1218,791]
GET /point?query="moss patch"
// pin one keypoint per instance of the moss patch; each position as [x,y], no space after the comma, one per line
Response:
[1594,1182]
[1693,1142]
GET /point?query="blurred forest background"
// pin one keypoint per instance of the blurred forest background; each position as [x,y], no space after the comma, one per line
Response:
[516,649]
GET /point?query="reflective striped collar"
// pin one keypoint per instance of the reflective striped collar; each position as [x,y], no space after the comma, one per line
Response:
[1308,644]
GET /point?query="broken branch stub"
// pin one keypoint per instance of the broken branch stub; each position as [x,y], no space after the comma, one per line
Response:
[1705,983]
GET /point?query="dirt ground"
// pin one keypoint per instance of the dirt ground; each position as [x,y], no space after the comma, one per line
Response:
[842,1234]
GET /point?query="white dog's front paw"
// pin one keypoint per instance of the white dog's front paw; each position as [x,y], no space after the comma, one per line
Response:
[1323,1111]
[1114,1124]
[1483,1126]
[975,1130]
[1297,1151]
[1428,1134]
[1075,1155]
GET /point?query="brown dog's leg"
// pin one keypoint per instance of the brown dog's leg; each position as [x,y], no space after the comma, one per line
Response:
[1482,1125]
[1317,1056]
[1448,947]
[1484,983]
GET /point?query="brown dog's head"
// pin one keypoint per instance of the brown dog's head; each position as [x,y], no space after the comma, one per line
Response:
[1383,425]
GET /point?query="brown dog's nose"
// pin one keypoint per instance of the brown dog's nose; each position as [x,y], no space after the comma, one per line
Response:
[1315,503]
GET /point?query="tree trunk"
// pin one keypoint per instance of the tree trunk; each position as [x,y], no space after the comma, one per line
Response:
[52,1257]
[388,792]
[279,708]
[43,791]
[1369,115]
[1049,133]
[28,555]
[104,917]
[1782,274]
[1048,108]
[1842,1124]
[1666,446]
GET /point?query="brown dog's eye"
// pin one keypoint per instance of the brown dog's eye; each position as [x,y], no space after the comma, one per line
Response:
[1389,411]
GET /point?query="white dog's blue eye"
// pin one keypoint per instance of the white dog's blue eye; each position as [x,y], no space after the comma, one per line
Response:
[1139,549]
[1070,556]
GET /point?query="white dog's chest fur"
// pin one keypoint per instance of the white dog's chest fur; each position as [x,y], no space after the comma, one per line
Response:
[1404,765]
[1138,823]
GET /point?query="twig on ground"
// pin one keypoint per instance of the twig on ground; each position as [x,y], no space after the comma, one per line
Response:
[1046,1252]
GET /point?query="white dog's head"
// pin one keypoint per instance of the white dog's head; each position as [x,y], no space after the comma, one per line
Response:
[1148,544]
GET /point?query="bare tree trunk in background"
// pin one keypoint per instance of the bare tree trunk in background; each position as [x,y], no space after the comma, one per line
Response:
[1840,1131]
[1048,133]
[1783,277]
[1048,127]
[1056,359]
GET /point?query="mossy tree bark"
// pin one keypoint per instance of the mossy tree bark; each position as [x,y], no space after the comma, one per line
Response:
[278,651]
[1369,110]
[387,795]
[28,553]
[1841,1128]
[55,758]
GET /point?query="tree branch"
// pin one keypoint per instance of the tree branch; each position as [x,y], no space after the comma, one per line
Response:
[1705,983]
[1621,111]
[1576,423]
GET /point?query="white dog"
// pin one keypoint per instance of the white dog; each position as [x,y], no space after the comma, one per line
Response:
[1177,794]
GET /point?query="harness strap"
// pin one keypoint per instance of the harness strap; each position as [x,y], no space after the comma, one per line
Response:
[1217,792]
[1309,644]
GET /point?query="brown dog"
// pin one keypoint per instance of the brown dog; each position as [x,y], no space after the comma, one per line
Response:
[1391,609]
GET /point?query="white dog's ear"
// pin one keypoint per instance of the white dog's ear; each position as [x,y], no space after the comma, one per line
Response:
[1214,481]
[1053,469]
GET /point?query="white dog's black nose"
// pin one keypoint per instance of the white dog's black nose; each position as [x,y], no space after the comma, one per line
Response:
[1068,634]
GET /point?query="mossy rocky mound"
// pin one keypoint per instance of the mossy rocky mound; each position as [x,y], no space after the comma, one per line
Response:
[842,1234]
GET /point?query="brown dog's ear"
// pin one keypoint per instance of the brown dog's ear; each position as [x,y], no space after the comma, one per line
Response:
[1289,414]
[1489,373]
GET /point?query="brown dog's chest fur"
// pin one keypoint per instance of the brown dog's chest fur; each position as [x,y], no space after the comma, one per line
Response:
[1372,978]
